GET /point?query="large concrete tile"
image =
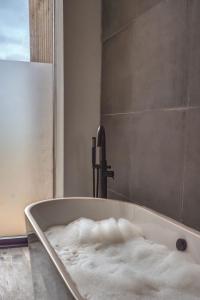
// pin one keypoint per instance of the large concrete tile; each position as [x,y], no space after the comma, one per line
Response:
[191,196]
[146,150]
[117,74]
[157,145]
[194,50]
[145,66]
[118,133]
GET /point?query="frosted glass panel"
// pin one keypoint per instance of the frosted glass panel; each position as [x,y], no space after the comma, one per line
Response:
[26,140]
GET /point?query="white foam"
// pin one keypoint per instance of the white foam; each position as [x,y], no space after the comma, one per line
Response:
[111,260]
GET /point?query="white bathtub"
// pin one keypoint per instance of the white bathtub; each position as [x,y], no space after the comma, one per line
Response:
[51,279]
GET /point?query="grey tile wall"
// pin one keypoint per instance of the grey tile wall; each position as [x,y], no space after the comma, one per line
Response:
[145,64]
[156,161]
[146,152]
[151,103]
[194,50]
[191,195]
[118,133]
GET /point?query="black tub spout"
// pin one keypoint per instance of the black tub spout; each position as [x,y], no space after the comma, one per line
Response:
[103,167]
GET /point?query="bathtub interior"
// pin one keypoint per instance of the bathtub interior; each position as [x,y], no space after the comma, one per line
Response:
[156,227]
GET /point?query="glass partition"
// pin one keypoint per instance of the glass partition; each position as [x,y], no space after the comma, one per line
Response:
[26,140]
[26,109]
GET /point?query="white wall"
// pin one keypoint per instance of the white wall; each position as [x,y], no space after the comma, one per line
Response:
[82,73]
[58,100]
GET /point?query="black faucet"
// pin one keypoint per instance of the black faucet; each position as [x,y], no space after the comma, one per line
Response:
[102,167]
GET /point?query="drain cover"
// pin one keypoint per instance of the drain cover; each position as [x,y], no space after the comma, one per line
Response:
[181,244]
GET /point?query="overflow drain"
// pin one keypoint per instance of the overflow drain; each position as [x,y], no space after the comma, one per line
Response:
[181,244]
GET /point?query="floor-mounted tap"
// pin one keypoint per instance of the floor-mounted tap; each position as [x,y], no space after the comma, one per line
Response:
[102,167]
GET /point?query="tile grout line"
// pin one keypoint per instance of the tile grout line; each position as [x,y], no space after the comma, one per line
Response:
[115,33]
[117,193]
[186,108]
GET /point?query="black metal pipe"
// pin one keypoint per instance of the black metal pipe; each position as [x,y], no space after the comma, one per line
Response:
[97,186]
[93,164]
[101,142]
[104,173]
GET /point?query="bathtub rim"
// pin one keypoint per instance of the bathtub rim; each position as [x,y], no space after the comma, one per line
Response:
[52,253]
[161,216]
[50,250]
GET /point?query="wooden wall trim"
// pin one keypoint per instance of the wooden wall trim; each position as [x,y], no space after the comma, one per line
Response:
[41,30]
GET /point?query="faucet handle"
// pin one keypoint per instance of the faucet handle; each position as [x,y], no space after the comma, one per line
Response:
[110,174]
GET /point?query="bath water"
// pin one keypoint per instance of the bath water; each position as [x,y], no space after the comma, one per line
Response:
[111,259]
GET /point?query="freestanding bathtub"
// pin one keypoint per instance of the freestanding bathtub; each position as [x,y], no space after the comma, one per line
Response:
[50,278]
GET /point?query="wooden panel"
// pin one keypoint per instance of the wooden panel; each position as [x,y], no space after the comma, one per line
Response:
[41,30]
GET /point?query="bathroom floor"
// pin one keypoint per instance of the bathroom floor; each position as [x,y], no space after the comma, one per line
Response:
[15,275]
